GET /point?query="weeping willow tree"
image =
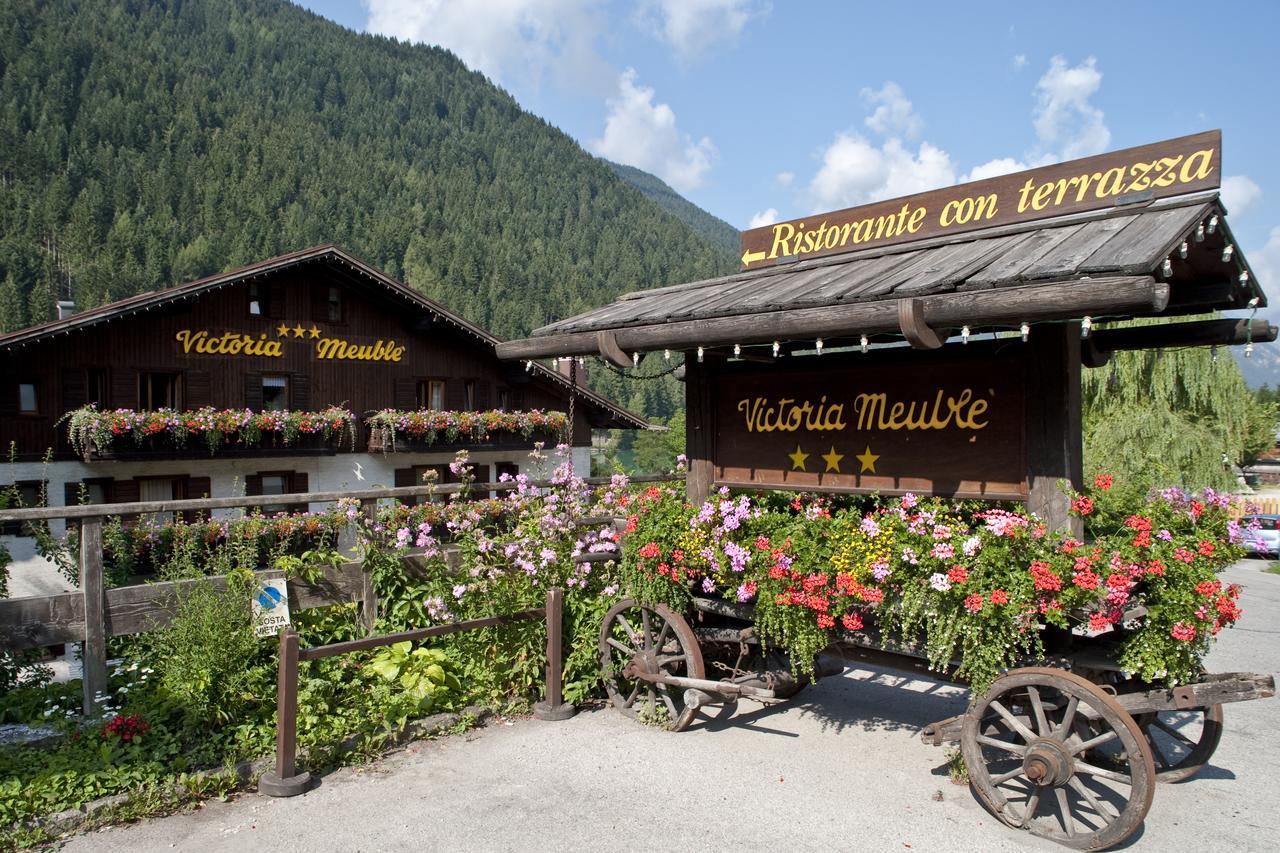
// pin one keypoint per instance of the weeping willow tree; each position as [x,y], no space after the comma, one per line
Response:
[1172,417]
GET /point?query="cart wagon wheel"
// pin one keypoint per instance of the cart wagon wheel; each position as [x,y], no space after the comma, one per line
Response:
[655,639]
[1181,742]
[1051,753]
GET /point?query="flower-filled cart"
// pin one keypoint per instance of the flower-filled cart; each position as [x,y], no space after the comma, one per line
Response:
[1083,655]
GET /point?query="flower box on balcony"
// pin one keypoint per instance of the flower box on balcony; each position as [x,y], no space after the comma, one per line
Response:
[391,430]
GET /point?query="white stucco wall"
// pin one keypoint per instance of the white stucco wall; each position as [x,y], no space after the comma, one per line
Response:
[30,574]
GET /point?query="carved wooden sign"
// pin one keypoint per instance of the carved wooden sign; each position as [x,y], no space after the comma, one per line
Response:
[1178,166]
[866,424]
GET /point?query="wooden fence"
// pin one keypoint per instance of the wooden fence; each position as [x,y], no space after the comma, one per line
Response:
[92,614]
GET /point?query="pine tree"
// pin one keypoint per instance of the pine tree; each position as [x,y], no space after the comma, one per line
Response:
[13,314]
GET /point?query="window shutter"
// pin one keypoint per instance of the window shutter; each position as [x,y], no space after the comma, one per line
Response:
[196,488]
[406,394]
[199,389]
[298,484]
[484,397]
[126,492]
[124,388]
[74,390]
[482,474]
[404,477]
[71,494]
[300,391]
[252,485]
[253,391]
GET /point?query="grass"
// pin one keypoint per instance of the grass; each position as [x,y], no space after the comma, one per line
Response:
[1273,567]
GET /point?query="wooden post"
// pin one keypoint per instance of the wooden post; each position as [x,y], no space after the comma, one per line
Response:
[553,706]
[700,430]
[285,781]
[1054,441]
[93,651]
[368,595]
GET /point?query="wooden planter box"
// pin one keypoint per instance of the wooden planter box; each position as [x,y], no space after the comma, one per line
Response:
[383,441]
[162,446]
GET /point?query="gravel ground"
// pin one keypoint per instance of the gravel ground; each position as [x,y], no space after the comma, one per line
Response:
[841,767]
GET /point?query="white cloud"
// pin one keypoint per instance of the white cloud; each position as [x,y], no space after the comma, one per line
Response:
[784,179]
[1019,62]
[764,217]
[509,40]
[994,169]
[1239,193]
[893,112]
[1065,122]
[855,171]
[1266,267]
[643,134]
[693,27]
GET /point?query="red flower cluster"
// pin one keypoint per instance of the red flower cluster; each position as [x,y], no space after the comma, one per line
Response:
[973,603]
[1099,622]
[127,729]
[1087,579]
[1082,505]
[851,621]
[999,596]
[957,574]
[1208,588]
[1103,482]
[650,550]
[1183,631]
[1044,577]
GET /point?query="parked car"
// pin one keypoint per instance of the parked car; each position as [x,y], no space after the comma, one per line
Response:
[1265,541]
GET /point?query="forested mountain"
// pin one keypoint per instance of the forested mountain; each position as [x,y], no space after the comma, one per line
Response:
[712,228]
[145,143]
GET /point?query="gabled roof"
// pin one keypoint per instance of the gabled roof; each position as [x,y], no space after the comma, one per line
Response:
[1034,265]
[355,271]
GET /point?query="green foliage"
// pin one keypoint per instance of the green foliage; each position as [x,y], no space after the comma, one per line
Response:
[656,450]
[420,680]
[1173,416]
[152,142]
[712,229]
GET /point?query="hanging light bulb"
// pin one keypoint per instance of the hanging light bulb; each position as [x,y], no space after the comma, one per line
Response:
[582,361]
[1166,269]
[528,365]
[555,362]
[1253,303]
[699,355]
[1182,250]
[1244,278]
[818,345]
[1026,331]
[777,347]
[1213,353]
[635,359]
[1213,223]
[1085,326]
[865,343]
[1248,350]
[1227,253]
[737,350]
[1200,232]
[964,334]
[666,355]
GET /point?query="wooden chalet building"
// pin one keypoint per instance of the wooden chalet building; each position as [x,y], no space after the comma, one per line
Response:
[301,332]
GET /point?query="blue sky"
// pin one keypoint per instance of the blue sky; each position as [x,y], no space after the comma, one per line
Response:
[755,110]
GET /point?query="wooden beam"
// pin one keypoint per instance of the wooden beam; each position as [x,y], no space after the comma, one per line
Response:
[1054,449]
[609,350]
[93,652]
[914,329]
[699,429]
[1196,333]
[1117,296]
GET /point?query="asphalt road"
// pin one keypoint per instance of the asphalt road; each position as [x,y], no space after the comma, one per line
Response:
[841,767]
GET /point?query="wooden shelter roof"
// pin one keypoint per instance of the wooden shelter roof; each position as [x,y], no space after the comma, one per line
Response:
[1118,262]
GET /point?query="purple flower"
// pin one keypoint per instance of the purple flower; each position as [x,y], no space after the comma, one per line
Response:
[708,585]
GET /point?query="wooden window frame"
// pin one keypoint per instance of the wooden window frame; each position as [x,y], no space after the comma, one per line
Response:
[424,401]
[469,395]
[258,292]
[38,411]
[103,379]
[146,404]
[288,389]
[334,300]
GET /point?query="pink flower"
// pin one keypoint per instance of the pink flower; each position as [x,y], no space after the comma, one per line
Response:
[1183,631]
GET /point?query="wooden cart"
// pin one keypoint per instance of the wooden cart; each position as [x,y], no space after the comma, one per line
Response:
[1070,749]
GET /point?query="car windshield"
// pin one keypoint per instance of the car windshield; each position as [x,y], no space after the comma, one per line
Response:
[1264,523]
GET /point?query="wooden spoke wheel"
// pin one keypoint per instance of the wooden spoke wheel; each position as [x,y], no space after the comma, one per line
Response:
[1181,742]
[648,639]
[1050,752]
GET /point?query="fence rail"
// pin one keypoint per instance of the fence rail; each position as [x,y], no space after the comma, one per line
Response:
[93,613]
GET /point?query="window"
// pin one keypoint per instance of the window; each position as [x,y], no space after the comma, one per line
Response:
[504,399]
[259,299]
[469,396]
[431,394]
[28,400]
[24,494]
[335,305]
[275,484]
[96,385]
[275,394]
[158,489]
[510,469]
[160,391]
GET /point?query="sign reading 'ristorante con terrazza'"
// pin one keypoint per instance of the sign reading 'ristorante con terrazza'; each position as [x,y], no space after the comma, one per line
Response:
[1175,167]
[949,429]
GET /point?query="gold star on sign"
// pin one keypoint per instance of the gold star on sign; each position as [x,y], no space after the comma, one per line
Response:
[282,330]
[298,331]
[797,459]
[833,460]
[868,460]
[314,332]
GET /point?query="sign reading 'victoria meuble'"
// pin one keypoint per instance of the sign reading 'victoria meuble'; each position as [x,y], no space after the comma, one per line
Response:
[948,429]
[1175,167]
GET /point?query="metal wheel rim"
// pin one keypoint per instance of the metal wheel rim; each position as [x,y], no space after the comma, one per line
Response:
[630,629]
[1178,752]
[1050,752]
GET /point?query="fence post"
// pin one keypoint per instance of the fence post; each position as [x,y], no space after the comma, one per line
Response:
[553,707]
[285,781]
[93,652]
[368,596]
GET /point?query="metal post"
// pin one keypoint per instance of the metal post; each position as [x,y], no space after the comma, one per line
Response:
[93,652]
[285,781]
[553,707]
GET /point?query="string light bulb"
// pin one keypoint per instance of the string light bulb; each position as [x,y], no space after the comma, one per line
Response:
[528,365]
[1166,268]
[1085,326]
[737,350]
[1244,278]
[1026,331]
[964,334]
[1183,249]
[1200,232]
[1213,223]
[818,345]
[865,343]
[635,359]
[1248,350]
[699,355]
[666,355]
[1227,253]
[1213,353]
[1253,303]
[555,362]
[777,347]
